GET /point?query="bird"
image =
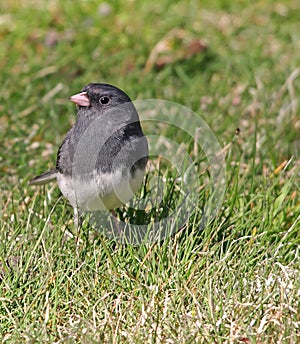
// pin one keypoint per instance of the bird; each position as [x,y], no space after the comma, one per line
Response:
[102,160]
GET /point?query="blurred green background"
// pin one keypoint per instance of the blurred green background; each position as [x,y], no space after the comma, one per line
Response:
[235,63]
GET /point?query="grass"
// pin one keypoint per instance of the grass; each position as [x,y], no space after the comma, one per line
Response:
[237,279]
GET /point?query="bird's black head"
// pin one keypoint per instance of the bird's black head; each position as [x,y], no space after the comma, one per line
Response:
[108,104]
[100,96]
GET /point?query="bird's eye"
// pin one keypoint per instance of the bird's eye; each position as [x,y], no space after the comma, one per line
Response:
[104,100]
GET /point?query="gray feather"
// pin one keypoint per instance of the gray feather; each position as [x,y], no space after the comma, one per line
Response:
[44,178]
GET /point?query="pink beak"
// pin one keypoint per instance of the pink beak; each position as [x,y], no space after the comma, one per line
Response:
[81,99]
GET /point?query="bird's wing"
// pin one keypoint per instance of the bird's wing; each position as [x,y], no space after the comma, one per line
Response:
[65,154]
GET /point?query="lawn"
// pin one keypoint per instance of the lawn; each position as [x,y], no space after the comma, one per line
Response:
[230,277]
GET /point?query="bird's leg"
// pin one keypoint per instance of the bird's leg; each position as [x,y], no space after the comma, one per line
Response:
[77,226]
[116,229]
[76,218]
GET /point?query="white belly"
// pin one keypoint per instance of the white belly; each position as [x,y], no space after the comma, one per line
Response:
[104,191]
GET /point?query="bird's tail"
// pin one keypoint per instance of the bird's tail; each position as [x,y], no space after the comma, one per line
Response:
[43,178]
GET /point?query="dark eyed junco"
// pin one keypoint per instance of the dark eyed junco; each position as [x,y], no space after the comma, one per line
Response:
[101,161]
